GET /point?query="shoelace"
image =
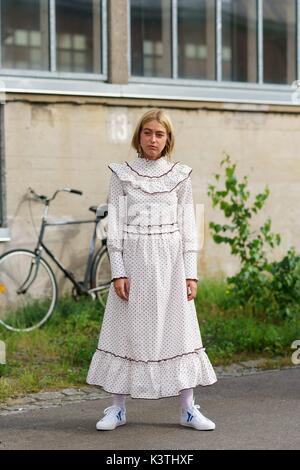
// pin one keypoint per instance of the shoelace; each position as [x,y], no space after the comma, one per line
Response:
[110,409]
[197,412]
[197,408]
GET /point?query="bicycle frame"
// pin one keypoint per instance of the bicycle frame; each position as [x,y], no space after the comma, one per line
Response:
[82,287]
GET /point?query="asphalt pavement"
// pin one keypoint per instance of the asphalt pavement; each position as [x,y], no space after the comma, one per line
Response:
[258,411]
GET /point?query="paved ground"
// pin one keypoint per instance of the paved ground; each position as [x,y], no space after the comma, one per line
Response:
[48,399]
[255,411]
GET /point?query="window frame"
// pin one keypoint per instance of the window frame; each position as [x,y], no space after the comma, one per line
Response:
[52,72]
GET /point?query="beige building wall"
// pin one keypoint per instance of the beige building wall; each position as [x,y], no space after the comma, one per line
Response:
[53,142]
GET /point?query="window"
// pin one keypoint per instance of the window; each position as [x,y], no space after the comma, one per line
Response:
[239,40]
[279,22]
[49,36]
[151,44]
[196,39]
[242,41]
[78,36]
[24,34]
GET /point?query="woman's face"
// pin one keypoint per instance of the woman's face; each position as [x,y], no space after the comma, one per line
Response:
[153,139]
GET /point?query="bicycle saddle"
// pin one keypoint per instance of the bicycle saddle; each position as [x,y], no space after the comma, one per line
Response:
[101,211]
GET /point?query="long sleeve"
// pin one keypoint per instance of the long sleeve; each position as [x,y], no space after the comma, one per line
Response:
[115,222]
[188,228]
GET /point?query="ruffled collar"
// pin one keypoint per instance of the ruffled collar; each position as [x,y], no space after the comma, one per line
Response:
[151,168]
[151,176]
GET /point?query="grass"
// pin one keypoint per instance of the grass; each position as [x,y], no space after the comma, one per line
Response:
[58,354]
[28,315]
[232,334]
[54,356]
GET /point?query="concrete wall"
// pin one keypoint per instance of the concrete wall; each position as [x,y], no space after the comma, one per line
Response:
[53,142]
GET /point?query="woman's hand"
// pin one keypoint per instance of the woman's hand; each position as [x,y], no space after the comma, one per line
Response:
[122,288]
[191,287]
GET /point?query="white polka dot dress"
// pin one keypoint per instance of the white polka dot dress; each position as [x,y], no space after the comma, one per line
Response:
[150,345]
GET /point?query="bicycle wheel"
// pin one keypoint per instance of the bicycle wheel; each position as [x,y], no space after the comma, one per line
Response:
[28,292]
[101,275]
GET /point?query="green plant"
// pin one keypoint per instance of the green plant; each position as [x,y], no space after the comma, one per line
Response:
[285,285]
[267,288]
[232,201]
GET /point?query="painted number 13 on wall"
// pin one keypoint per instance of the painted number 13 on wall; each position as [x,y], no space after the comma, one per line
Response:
[119,128]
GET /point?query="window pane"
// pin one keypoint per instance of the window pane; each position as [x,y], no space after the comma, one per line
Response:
[151,35]
[279,24]
[78,36]
[24,34]
[239,40]
[196,39]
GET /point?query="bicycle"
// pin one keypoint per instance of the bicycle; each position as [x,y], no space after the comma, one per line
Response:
[28,286]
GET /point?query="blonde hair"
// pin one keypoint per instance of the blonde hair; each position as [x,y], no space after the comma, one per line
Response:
[155,114]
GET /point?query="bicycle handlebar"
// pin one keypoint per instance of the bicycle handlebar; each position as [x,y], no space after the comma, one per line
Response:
[76,191]
[46,199]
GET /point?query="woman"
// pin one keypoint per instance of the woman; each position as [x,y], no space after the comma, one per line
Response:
[150,344]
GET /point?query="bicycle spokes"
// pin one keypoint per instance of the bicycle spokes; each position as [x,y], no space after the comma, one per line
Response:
[32,275]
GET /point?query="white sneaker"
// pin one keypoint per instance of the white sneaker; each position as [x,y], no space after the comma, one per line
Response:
[114,416]
[192,417]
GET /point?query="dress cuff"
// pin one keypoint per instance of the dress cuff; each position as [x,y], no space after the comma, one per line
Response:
[190,265]
[117,265]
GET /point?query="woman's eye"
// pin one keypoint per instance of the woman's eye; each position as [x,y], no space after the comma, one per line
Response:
[157,135]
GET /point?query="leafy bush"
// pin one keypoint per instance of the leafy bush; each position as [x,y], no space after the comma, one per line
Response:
[268,288]
[285,285]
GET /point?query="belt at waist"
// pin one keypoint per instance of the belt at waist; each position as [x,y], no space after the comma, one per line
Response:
[151,229]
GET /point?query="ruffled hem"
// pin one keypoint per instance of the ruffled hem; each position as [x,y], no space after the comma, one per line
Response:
[164,183]
[152,379]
